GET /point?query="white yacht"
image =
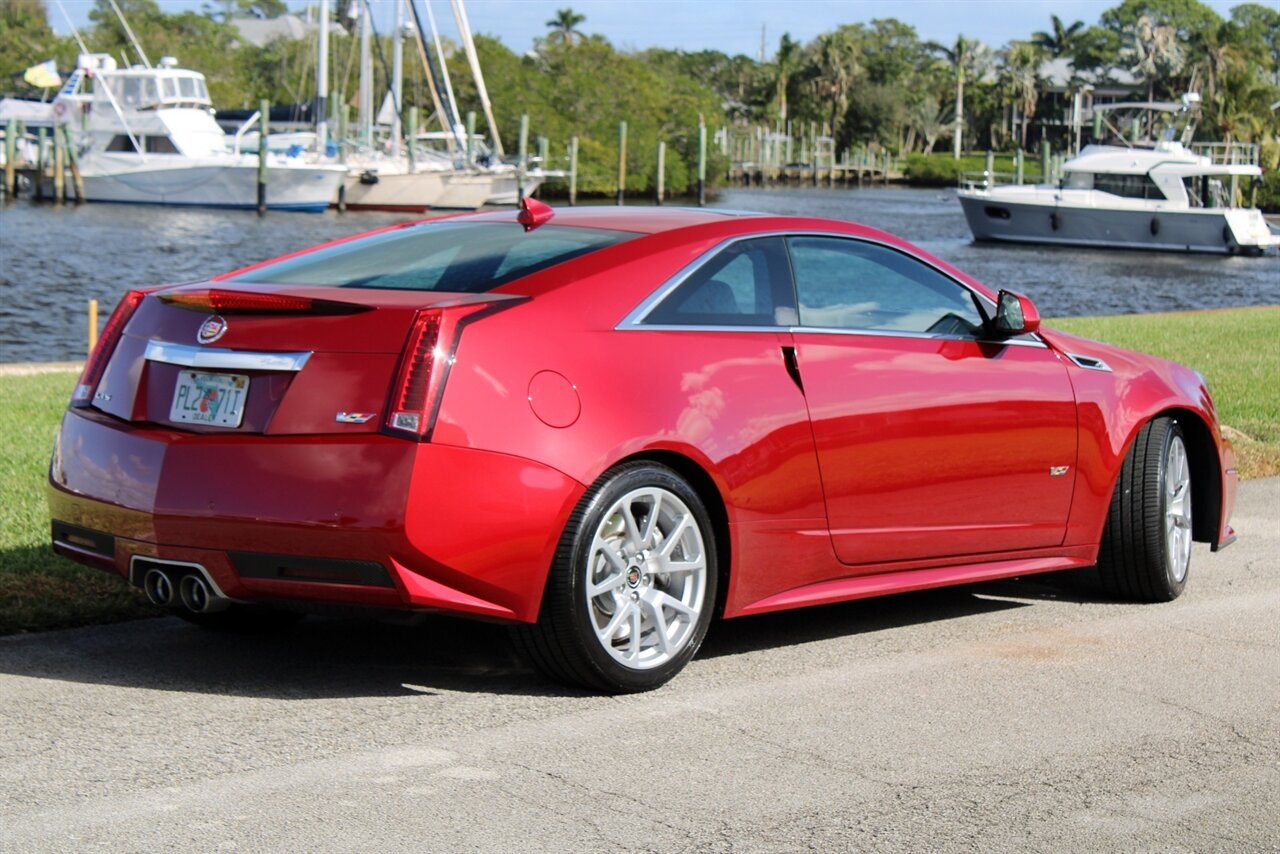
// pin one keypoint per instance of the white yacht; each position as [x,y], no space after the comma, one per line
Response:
[1161,196]
[147,135]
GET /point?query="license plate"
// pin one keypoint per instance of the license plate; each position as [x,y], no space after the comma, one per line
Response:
[214,399]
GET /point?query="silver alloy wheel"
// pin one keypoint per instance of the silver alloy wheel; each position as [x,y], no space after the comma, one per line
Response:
[1177,510]
[646,578]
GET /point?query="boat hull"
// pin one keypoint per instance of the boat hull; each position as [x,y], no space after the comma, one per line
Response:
[1215,231]
[217,186]
[415,192]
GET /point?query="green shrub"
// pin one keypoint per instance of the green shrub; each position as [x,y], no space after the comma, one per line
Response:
[932,171]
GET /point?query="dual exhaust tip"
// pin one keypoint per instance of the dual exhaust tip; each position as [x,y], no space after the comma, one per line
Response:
[186,590]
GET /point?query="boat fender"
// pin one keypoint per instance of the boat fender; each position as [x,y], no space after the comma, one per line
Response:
[1155,226]
[1226,234]
[1053,220]
[368,177]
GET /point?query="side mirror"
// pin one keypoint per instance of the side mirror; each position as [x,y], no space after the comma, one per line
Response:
[1016,314]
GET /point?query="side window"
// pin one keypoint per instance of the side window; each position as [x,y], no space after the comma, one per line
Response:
[849,284]
[747,284]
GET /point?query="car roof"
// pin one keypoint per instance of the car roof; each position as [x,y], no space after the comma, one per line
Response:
[643,220]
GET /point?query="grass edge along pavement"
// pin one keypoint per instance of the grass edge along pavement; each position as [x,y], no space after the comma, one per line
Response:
[1235,348]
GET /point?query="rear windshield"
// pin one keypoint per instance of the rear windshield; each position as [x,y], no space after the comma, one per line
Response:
[460,257]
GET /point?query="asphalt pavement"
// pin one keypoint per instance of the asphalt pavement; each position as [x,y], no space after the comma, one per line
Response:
[1029,715]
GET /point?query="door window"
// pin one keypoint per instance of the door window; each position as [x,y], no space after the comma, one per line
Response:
[855,285]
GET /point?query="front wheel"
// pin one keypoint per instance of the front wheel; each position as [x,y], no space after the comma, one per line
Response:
[632,587]
[1146,545]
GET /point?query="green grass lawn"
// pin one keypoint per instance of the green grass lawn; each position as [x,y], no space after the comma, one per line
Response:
[38,589]
[1237,350]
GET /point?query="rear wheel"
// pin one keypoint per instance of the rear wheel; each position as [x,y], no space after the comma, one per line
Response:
[1146,545]
[632,586]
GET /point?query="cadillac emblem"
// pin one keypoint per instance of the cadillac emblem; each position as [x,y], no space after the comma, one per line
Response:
[212,329]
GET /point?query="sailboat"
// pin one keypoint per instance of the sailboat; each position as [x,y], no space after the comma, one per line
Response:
[441,170]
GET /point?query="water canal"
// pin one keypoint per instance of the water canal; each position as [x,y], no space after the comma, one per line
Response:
[53,260]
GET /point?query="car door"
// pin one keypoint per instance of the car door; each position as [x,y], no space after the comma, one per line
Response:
[933,440]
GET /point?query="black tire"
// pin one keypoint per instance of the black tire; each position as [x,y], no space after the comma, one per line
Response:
[568,644]
[1141,559]
[240,618]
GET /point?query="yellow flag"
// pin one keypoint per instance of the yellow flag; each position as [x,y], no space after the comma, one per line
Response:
[44,75]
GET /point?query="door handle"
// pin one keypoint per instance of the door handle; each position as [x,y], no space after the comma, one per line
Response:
[793,366]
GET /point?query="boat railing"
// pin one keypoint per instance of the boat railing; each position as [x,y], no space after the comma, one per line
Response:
[1228,153]
[248,123]
[985,179]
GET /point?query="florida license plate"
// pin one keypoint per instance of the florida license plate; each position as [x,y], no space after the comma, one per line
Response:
[214,399]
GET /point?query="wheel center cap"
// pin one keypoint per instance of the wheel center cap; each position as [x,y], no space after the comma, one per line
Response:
[633,576]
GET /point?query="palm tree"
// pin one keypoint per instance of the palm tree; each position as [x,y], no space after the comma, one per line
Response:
[1217,56]
[833,66]
[1020,80]
[1155,53]
[927,121]
[785,63]
[1062,41]
[564,26]
[967,56]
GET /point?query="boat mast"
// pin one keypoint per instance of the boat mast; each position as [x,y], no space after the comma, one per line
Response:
[322,80]
[129,31]
[72,25]
[468,43]
[397,78]
[420,38]
[444,67]
[366,73]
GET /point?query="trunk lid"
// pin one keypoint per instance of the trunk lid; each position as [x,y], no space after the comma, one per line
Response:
[270,360]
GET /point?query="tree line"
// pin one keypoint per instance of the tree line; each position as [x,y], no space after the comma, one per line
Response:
[870,84]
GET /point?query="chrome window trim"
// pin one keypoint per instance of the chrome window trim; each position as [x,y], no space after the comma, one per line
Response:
[634,321]
[211,357]
[933,336]
[637,315]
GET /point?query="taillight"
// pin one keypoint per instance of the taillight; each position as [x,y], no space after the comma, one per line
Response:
[422,369]
[428,355]
[97,363]
[216,300]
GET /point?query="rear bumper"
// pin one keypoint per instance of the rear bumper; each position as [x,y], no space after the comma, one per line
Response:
[368,520]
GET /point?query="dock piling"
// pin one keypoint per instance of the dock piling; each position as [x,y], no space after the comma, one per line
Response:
[93,326]
[622,159]
[59,169]
[522,162]
[702,163]
[73,158]
[40,164]
[411,139]
[573,171]
[10,154]
[471,143]
[662,163]
[264,109]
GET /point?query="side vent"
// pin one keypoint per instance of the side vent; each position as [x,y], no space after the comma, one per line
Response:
[1089,362]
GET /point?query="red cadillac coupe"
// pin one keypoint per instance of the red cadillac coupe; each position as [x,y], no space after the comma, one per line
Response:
[605,426]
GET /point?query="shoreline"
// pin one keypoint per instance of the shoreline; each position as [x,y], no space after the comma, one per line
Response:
[29,369]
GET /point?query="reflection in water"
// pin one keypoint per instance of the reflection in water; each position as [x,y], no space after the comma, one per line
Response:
[52,260]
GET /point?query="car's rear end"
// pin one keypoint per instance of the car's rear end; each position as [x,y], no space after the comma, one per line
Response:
[263,438]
